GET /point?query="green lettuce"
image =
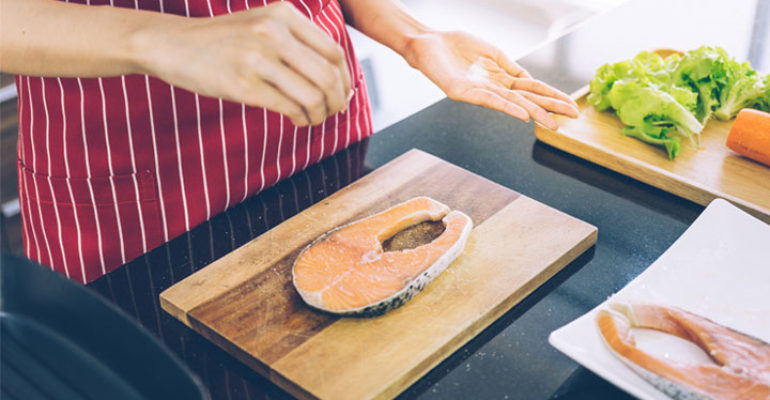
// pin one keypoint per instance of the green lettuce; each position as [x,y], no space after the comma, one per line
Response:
[606,76]
[647,68]
[748,89]
[704,71]
[653,115]
[762,102]
[661,100]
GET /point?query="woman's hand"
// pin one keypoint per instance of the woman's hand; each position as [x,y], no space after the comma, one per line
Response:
[271,57]
[471,70]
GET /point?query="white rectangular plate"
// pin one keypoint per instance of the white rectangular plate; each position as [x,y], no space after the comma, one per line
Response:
[719,268]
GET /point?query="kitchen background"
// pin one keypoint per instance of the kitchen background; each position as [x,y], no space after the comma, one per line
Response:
[396,90]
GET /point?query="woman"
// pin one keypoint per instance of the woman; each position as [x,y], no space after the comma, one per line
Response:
[144,118]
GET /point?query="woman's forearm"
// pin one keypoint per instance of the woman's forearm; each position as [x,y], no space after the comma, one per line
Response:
[51,38]
[272,57]
[387,22]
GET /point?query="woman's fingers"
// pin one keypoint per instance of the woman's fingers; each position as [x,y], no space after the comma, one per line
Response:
[513,104]
[471,70]
[307,32]
[551,104]
[538,87]
[272,57]
[338,62]
[539,92]
[537,112]
[511,66]
[316,69]
[490,99]
[296,87]
[313,37]
[270,97]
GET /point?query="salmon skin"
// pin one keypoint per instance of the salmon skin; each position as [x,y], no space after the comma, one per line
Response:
[741,368]
[346,271]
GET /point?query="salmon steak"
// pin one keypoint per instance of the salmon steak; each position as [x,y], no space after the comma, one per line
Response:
[360,269]
[741,363]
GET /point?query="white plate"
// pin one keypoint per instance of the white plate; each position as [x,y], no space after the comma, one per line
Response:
[719,268]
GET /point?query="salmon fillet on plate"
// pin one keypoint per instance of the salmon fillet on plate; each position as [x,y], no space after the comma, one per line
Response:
[741,363]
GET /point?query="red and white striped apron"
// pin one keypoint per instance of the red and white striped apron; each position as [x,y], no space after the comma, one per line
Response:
[110,168]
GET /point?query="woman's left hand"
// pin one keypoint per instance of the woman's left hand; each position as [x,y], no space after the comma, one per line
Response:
[471,70]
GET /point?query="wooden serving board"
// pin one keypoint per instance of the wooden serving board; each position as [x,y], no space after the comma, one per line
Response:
[700,173]
[245,301]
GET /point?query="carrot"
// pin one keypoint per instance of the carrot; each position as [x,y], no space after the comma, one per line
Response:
[750,135]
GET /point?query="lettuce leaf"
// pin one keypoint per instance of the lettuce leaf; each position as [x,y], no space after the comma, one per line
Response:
[653,115]
[647,68]
[762,102]
[661,100]
[704,71]
[746,89]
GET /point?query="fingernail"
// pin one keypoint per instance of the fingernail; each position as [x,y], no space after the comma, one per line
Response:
[350,95]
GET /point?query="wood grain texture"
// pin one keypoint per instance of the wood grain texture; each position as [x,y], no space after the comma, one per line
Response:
[264,251]
[700,173]
[508,256]
[245,302]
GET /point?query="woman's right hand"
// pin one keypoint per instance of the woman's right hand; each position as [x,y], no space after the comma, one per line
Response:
[272,57]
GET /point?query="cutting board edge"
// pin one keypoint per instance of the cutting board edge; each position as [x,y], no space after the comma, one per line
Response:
[215,338]
[699,195]
[588,234]
[290,387]
[429,363]
[670,182]
[493,315]
[297,390]
[168,306]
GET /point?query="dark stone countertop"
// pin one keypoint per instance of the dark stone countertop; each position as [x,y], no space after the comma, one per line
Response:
[511,358]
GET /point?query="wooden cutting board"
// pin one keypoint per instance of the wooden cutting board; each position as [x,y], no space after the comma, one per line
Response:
[700,174]
[245,301]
